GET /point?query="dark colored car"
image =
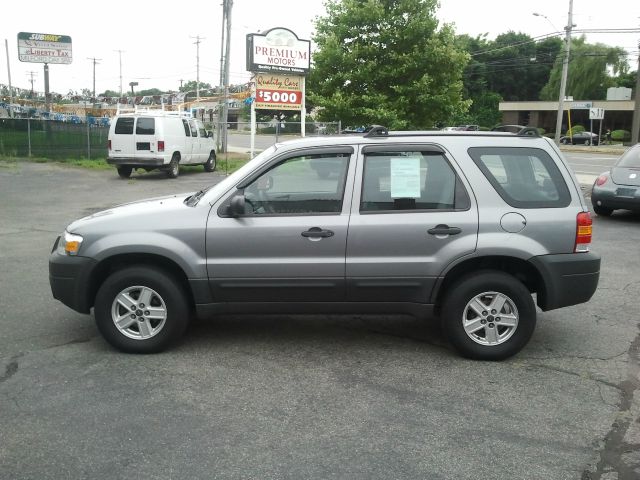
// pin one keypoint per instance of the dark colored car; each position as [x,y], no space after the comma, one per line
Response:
[508,128]
[619,188]
[581,138]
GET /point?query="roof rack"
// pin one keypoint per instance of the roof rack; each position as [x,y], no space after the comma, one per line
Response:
[379,131]
[136,109]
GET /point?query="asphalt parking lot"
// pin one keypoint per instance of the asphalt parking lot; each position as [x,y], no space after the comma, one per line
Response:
[297,397]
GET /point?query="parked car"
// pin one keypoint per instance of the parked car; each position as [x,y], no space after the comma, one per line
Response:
[580,138]
[619,188]
[508,128]
[159,139]
[463,227]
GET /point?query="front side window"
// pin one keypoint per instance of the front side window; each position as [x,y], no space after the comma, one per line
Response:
[408,180]
[146,126]
[295,186]
[124,126]
[523,177]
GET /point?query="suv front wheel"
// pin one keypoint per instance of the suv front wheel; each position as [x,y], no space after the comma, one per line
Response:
[488,315]
[141,309]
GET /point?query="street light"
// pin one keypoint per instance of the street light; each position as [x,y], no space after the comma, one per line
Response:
[555,29]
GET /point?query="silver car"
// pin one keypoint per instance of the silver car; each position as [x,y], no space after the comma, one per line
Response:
[463,227]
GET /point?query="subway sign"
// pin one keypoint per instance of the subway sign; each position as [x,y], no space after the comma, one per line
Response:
[278,51]
[44,48]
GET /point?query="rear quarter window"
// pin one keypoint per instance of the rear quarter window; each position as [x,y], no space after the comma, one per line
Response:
[523,177]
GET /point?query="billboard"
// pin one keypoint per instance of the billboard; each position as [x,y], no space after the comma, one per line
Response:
[278,92]
[44,48]
[279,50]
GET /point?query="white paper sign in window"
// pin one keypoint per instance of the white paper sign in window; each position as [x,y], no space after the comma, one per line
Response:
[405,177]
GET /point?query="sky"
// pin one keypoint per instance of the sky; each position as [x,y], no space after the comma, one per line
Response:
[158,43]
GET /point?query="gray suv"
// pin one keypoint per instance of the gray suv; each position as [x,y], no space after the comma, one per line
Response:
[465,226]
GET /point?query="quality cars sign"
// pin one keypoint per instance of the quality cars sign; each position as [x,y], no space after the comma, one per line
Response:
[278,92]
[279,51]
[44,48]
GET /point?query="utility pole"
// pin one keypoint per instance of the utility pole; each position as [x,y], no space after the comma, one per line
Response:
[221,83]
[636,112]
[225,108]
[6,47]
[95,60]
[31,74]
[120,61]
[565,71]
[197,44]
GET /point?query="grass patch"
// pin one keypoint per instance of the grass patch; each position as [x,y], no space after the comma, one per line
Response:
[227,163]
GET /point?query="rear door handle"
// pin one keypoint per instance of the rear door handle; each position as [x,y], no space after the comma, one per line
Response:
[443,229]
[317,232]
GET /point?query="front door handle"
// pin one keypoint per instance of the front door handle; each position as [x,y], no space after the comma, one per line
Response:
[317,232]
[443,229]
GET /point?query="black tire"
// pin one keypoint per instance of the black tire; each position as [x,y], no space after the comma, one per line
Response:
[487,286]
[602,211]
[174,167]
[587,142]
[124,172]
[210,165]
[150,328]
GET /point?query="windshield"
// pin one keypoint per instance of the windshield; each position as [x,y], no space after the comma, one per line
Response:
[213,192]
[631,158]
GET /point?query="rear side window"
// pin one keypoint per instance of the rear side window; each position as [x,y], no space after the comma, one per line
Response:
[146,126]
[523,177]
[187,129]
[409,181]
[124,126]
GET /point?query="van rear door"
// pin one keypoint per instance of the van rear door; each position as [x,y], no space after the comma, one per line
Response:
[122,138]
[145,137]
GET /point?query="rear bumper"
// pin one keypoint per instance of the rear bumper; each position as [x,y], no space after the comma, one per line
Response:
[138,162]
[609,199]
[567,279]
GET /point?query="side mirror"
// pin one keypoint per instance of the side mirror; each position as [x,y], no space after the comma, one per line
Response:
[209,134]
[236,206]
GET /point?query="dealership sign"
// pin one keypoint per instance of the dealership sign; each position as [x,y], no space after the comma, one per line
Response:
[278,92]
[44,48]
[279,51]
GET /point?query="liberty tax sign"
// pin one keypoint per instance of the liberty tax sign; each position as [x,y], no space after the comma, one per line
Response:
[44,48]
[279,51]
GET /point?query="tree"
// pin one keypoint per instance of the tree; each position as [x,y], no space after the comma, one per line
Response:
[192,85]
[588,77]
[386,62]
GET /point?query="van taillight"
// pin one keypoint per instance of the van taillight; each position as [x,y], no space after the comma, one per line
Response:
[583,232]
[161,145]
[109,145]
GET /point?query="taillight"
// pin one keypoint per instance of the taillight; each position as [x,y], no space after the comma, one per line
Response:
[161,145]
[601,180]
[109,145]
[583,232]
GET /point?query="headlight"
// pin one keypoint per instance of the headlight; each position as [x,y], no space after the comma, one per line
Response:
[69,244]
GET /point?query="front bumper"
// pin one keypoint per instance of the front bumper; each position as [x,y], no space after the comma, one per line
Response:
[567,279]
[69,277]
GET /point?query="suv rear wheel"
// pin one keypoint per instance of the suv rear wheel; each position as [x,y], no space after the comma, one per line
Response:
[141,309]
[488,315]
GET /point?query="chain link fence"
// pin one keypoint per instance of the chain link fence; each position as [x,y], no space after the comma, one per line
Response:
[28,137]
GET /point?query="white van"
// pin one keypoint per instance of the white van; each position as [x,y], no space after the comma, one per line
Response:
[159,139]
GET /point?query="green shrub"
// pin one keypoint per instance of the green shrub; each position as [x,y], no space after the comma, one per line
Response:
[575,129]
[621,135]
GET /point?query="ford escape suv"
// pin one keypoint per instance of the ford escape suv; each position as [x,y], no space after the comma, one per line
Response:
[465,226]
